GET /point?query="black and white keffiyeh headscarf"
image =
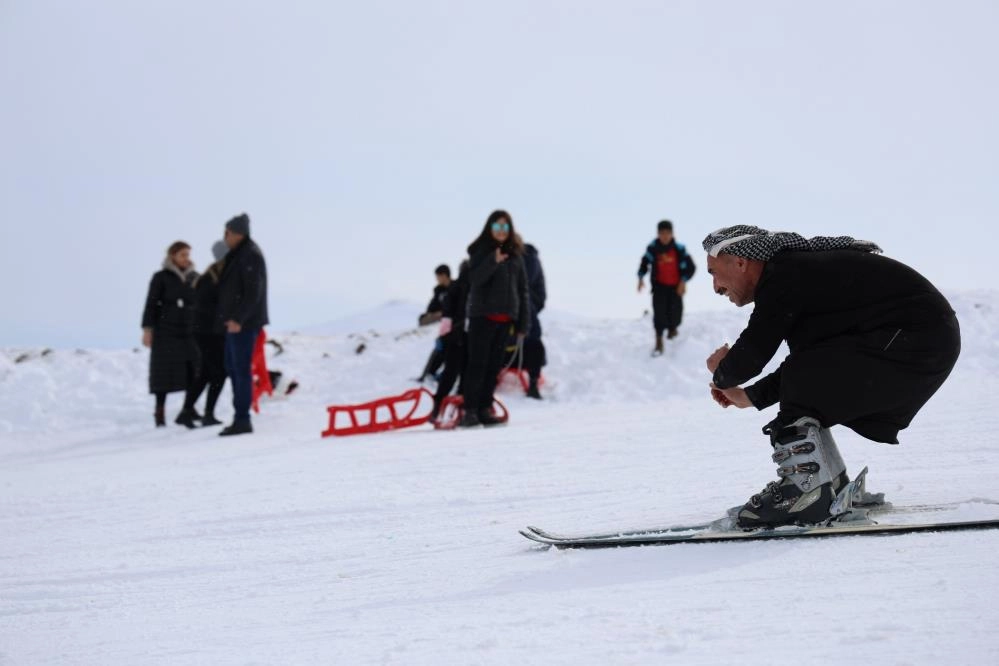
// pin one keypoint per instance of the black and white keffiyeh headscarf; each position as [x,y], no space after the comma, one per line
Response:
[744,240]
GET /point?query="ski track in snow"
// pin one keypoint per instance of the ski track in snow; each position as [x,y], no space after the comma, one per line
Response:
[127,545]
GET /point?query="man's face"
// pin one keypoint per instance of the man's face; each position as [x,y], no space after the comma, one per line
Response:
[231,239]
[731,277]
[443,280]
[665,236]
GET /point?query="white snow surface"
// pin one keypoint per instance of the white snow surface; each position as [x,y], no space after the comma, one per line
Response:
[124,544]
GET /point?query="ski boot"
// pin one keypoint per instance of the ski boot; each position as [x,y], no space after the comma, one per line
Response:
[811,474]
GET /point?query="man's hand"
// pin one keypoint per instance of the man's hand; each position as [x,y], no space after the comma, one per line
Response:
[641,285]
[731,397]
[147,337]
[233,326]
[500,257]
[681,288]
[716,358]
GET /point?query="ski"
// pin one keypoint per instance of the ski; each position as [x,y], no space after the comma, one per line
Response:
[705,534]
[724,524]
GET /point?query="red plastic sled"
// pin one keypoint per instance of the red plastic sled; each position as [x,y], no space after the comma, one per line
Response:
[395,407]
[520,375]
[397,412]
[453,408]
[258,370]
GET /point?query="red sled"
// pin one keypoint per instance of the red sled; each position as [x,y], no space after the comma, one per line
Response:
[258,371]
[394,413]
[520,375]
[453,408]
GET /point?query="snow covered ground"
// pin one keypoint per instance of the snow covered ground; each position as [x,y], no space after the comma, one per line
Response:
[123,544]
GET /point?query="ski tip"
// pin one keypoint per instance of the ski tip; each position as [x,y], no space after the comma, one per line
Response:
[534,537]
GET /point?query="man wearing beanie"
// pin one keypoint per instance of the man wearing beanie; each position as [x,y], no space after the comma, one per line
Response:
[870,339]
[242,312]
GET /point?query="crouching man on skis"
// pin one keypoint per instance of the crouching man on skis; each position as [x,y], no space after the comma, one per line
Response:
[870,339]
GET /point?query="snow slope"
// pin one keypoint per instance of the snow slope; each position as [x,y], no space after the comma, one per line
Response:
[123,544]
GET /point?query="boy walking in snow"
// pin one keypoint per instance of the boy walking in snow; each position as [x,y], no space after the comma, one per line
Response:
[671,268]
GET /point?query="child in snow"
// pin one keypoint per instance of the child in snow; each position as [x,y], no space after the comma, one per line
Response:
[671,268]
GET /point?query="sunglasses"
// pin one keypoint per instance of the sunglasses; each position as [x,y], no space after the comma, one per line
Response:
[501,226]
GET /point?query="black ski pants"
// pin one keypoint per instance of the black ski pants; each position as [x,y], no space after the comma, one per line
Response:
[874,383]
[486,343]
[667,308]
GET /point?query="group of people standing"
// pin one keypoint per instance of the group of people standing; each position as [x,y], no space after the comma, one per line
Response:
[203,328]
[500,289]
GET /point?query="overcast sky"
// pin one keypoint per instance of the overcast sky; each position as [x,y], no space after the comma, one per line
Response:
[368,141]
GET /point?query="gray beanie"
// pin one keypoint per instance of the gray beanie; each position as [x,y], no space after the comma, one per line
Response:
[219,250]
[239,224]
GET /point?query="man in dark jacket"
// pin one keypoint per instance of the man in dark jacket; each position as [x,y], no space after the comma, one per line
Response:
[453,334]
[671,268]
[871,340]
[534,349]
[433,315]
[242,313]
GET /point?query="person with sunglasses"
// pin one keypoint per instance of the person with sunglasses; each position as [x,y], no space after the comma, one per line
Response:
[497,298]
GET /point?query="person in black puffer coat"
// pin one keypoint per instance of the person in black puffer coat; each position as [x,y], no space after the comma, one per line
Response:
[211,344]
[497,297]
[168,327]
[535,356]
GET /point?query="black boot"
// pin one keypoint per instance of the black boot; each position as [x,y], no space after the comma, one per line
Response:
[672,333]
[210,420]
[187,417]
[160,417]
[487,418]
[659,345]
[237,428]
[469,420]
[532,390]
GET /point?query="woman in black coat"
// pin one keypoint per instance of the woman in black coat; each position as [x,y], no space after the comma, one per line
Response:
[211,344]
[497,298]
[168,327]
